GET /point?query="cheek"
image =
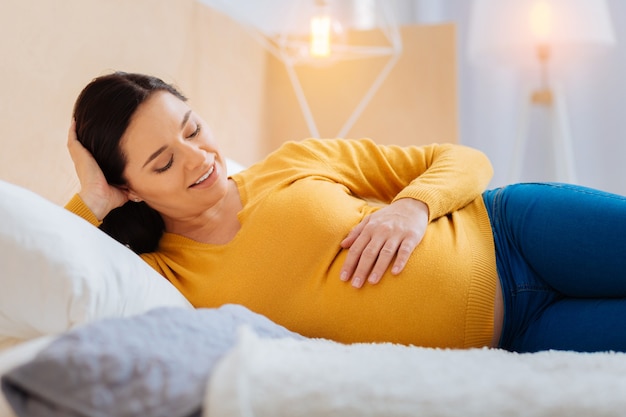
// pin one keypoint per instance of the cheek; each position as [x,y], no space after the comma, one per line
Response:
[151,186]
[162,185]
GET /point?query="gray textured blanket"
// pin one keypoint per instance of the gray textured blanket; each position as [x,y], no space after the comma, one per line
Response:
[155,364]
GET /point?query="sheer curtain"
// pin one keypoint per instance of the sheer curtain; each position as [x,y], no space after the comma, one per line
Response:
[594,92]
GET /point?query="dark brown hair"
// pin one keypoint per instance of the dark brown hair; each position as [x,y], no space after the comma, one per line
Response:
[103,111]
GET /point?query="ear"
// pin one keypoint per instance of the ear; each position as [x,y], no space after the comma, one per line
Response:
[130,195]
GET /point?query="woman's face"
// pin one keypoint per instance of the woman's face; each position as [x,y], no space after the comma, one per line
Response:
[173,163]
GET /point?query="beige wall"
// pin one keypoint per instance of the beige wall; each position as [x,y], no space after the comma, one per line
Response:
[416,104]
[51,49]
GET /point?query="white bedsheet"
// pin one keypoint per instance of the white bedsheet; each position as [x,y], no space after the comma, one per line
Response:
[14,355]
[282,377]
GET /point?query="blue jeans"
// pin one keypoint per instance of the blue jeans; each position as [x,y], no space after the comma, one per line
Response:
[561,259]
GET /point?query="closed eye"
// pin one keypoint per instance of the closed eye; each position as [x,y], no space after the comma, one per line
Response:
[195,132]
[166,167]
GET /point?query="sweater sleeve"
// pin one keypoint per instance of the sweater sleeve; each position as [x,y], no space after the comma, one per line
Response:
[446,177]
[78,207]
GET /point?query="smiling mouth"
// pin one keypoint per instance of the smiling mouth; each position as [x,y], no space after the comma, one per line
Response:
[205,176]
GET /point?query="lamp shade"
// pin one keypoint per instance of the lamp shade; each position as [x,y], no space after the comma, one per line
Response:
[274,17]
[317,31]
[509,31]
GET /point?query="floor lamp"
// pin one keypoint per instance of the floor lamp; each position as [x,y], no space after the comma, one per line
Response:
[533,33]
[313,33]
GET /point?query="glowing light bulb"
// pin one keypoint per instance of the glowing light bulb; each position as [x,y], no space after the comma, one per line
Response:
[541,21]
[320,36]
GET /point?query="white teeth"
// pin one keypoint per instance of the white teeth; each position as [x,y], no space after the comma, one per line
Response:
[205,176]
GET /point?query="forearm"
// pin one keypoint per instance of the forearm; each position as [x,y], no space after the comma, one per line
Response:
[446,177]
[456,176]
[77,206]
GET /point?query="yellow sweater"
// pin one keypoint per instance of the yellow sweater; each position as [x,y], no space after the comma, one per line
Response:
[302,200]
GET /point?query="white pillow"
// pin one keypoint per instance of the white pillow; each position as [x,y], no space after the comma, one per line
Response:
[58,271]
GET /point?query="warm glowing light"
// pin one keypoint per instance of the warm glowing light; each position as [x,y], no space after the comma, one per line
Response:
[320,36]
[541,21]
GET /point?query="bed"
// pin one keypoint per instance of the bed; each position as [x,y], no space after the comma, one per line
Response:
[88,329]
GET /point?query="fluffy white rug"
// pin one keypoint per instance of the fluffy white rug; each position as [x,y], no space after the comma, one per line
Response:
[284,377]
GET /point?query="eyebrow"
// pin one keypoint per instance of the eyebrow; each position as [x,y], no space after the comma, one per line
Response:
[154,155]
[163,148]
[185,118]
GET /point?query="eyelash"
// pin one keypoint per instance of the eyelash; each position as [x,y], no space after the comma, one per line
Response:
[195,132]
[166,167]
[171,161]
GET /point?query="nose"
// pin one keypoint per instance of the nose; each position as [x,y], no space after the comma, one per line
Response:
[193,154]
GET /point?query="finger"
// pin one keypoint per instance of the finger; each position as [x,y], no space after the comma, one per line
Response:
[74,146]
[385,257]
[402,257]
[71,133]
[354,233]
[353,257]
[368,258]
